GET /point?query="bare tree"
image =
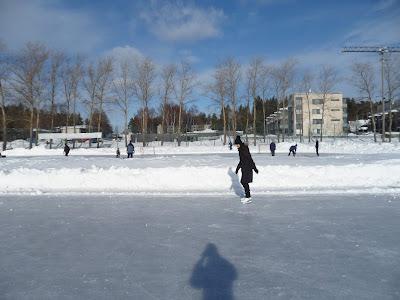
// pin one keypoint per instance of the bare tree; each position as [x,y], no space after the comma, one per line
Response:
[26,70]
[168,74]
[57,58]
[144,77]
[283,80]
[306,86]
[392,80]
[254,83]
[90,84]
[265,85]
[105,68]
[184,89]
[4,73]
[232,80]
[364,79]
[327,80]
[217,92]
[123,90]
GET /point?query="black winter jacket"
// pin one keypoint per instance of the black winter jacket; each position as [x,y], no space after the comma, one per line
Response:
[246,163]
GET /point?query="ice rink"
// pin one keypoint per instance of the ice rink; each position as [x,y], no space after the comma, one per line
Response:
[149,247]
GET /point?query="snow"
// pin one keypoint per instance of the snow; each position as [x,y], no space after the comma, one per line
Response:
[204,168]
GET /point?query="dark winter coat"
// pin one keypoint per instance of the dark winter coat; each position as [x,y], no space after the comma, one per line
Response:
[130,148]
[272,146]
[317,144]
[293,148]
[66,149]
[246,163]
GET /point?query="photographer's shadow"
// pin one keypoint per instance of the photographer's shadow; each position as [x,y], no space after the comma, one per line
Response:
[214,275]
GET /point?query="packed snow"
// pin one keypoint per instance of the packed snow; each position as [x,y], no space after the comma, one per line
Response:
[205,167]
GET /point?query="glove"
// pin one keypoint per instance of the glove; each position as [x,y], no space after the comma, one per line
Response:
[256,170]
[236,171]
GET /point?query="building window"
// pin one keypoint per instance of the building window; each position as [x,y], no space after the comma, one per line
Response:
[335,109]
[335,100]
[316,111]
[317,101]
[317,121]
[335,120]
[298,126]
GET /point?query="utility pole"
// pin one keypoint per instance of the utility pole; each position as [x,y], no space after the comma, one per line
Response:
[381,50]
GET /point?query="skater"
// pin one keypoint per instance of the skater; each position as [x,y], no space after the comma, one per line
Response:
[247,165]
[130,149]
[316,147]
[272,148]
[118,153]
[230,145]
[293,150]
[66,149]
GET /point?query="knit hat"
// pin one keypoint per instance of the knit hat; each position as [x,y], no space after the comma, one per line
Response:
[238,140]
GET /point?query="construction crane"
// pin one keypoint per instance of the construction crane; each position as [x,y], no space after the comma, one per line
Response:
[381,50]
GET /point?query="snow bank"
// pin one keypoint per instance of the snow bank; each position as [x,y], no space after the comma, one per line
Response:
[183,179]
[340,146]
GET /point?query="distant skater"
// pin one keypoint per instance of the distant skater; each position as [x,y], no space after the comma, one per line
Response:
[316,147]
[247,165]
[130,149]
[66,149]
[118,154]
[293,150]
[272,148]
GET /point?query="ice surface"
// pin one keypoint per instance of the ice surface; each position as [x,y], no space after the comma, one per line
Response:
[135,247]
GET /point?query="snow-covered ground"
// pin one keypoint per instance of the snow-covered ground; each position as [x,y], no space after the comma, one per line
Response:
[204,168]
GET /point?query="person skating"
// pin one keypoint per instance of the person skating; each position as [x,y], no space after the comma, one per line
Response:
[118,154]
[66,149]
[130,149]
[293,150]
[272,148]
[317,147]
[247,165]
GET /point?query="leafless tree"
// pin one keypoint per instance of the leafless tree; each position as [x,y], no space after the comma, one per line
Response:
[105,69]
[327,80]
[90,84]
[144,77]
[4,73]
[57,58]
[392,80]
[283,80]
[254,84]
[123,91]
[265,86]
[233,77]
[27,80]
[364,80]
[168,75]
[306,86]
[217,92]
[185,81]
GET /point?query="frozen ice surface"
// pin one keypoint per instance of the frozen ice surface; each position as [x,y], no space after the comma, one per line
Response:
[148,247]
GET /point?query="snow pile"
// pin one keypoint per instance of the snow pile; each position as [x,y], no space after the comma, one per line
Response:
[380,177]
[360,146]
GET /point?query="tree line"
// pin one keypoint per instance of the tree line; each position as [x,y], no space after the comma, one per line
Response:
[51,85]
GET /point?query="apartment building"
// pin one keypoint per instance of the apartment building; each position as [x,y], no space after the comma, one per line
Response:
[306,113]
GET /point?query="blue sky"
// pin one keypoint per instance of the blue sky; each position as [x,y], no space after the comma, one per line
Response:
[207,31]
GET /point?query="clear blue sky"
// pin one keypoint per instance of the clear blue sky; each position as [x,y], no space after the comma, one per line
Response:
[206,31]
